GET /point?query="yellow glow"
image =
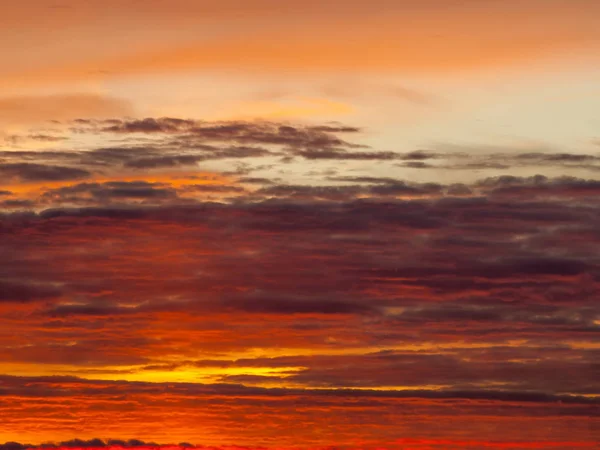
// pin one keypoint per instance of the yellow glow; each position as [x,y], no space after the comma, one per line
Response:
[133,373]
[174,179]
[195,375]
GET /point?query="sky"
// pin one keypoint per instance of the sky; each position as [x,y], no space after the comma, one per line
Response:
[310,224]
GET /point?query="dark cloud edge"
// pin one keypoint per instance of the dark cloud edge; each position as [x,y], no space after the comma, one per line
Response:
[184,141]
[93,443]
[248,391]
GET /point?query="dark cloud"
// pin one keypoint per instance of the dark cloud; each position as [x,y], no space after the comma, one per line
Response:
[541,186]
[380,187]
[510,180]
[213,188]
[524,371]
[91,443]
[346,155]
[391,186]
[458,189]
[170,143]
[46,385]
[484,165]
[41,172]
[164,161]
[89,310]
[557,157]
[14,446]
[487,158]
[80,443]
[17,140]
[364,179]
[282,305]
[46,138]
[339,193]
[16,203]
[111,191]
[240,132]
[480,298]
[416,165]
[402,188]
[107,156]
[150,125]
[419,155]
[255,180]
[501,268]
[187,160]
[335,129]
[26,291]
[155,143]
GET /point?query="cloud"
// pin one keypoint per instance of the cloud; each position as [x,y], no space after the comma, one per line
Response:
[255,180]
[259,132]
[168,143]
[89,310]
[282,305]
[18,204]
[565,187]
[25,172]
[150,125]
[107,192]
[498,158]
[175,144]
[416,165]
[459,189]
[46,385]
[452,306]
[558,157]
[17,140]
[208,188]
[345,155]
[382,188]
[419,155]
[417,444]
[164,161]
[23,291]
[93,443]
[339,193]
[335,129]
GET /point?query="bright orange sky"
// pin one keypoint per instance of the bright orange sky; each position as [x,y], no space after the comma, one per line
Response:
[302,224]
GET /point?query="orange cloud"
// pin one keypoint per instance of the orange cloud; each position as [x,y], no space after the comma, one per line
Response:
[407,444]
[386,36]
[39,409]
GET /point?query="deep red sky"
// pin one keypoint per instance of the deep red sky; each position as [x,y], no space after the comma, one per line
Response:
[359,224]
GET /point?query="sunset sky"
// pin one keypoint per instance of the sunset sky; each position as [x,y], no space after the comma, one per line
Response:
[300,224]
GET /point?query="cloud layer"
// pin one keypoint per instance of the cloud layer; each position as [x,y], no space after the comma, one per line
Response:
[173,278]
